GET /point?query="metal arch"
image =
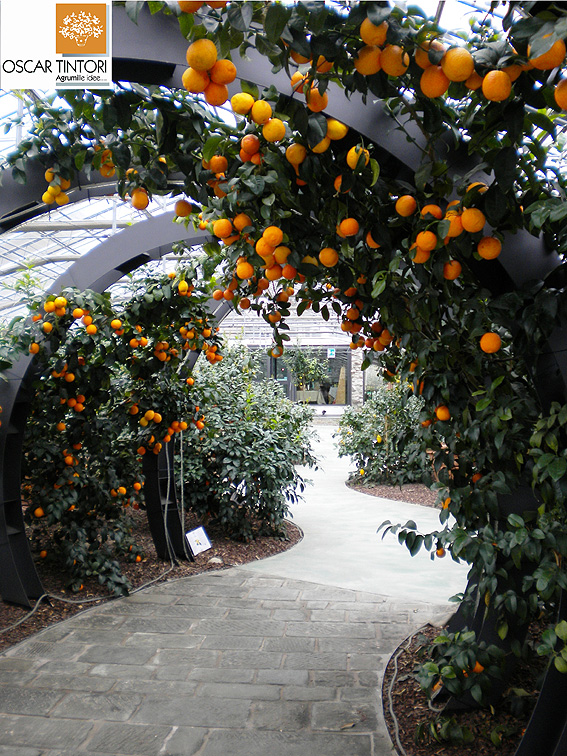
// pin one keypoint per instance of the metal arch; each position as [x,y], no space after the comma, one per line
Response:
[154,52]
[98,269]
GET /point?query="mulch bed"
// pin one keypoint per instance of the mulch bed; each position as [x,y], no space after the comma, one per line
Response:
[230,553]
[414,493]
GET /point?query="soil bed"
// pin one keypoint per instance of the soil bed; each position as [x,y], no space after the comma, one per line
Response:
[505,724]
[414,493]
[231,553]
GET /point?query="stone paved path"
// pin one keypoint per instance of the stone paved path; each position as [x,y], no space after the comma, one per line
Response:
[216,664]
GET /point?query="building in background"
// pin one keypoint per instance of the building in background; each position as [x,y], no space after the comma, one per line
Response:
[325,372]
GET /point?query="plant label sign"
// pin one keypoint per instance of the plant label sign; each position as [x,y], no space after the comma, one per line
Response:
[198,541]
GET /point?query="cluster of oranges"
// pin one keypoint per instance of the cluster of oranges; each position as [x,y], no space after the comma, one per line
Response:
[207,74]
[56,191]
[457,219]
[455,64]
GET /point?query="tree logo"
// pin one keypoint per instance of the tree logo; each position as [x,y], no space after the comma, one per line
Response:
[81,28]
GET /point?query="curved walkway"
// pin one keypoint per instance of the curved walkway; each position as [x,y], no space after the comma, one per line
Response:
[282,657]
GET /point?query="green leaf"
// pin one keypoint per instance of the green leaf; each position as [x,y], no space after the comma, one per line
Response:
[503,630]
[483,403]
[240,15]
[560,664]
[211,145]
[557,468]
[133,9]
[561,630]
[275,21]
[249,88]
[516,521]
[374,165]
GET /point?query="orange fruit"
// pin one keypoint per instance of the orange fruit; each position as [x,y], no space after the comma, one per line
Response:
[250,143]
[442,412]
[394,60]
[370,241]
[560,94]
[38,512]
[349,227]
[433,82]
[182,209]
[218,164]
[367,62]
[63,199]
[47,327]
[421,55]
[433,210]
[244,303]
[216,94]
[513,71]
[496,86]
[297,81]
[201,54]
[264,248]
[223,72]
[371,34]
[222,228]
[298,58]
[91,329]
[244,270]
[242,103]
[195,81]
[323,65]
[553,58]
[296,153]
[328,257]
[474,81]
[273,130]
[47,198]
[489,247]
[482,188]
[336,129]
[440,552]
[354,154]
[273,272]
[241,221]
[189,6]
[316,102]
[281,254]
[406,205]
[457,64]
[473,219]
[478,668]
[455,227]
[116,324]
[140,199]
[322,146]
[273,236]
[43,554]
[261,113]
[452,270]
[490,342]
[289,272]
[421,255]
[426,240]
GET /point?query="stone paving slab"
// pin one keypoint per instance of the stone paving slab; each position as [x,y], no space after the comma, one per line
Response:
[281,666]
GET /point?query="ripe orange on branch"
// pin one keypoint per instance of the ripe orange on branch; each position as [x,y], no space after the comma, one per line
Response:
[433,82]
[367,62]
[353,156]
[457,64]
[490,342]
[202,54]
[371,34]
[394,60]
[496,86]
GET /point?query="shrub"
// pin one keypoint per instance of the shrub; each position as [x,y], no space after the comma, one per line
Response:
[378,437]
[243,473]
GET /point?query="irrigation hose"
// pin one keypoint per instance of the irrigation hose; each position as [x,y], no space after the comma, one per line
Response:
[398,653]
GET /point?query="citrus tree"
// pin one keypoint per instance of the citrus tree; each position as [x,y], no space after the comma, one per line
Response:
[301,208]
[112,383]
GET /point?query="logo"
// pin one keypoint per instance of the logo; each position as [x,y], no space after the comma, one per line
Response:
[81,28]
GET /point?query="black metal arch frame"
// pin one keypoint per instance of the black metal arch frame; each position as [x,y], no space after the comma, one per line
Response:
[153,52]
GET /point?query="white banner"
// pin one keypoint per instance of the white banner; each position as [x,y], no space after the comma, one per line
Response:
[45,44]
